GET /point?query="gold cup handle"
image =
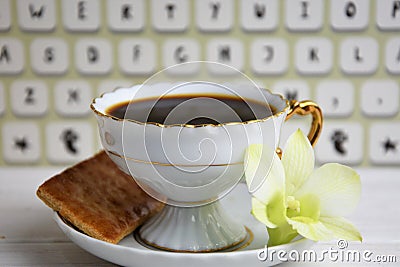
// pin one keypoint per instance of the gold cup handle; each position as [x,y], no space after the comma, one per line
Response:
[305,108]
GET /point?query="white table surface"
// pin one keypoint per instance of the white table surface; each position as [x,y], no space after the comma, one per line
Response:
[30,237]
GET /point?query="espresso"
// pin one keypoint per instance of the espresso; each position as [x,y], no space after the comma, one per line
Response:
[192,110]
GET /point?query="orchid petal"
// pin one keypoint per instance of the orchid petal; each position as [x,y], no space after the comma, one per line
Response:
[341,228]
[264,173]
[273,214]
[259,211]
[281,235]
[311,229]
[337,186]
[298,161]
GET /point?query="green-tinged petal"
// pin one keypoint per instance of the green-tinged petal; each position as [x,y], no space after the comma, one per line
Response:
[311,229]
[259,211]
[310,206]
[298,161]
[281,235]
[264,172]
[273,214]
[337,187]
[341,228]
[276,209]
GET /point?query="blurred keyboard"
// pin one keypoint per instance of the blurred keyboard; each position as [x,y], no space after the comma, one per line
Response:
[55,56]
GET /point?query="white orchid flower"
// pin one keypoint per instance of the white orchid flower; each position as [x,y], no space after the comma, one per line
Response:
[293,198]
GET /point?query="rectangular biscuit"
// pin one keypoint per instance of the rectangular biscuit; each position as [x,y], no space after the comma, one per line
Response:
[99,199]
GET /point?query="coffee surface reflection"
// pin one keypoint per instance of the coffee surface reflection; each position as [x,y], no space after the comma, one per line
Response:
[192,109]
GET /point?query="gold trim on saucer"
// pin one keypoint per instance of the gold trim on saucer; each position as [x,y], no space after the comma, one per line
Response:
[169,164]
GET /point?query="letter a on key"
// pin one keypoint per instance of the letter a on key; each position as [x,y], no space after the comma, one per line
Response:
[4,54]
[314,54]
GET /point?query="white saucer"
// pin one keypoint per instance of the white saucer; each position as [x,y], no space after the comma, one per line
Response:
[128,252]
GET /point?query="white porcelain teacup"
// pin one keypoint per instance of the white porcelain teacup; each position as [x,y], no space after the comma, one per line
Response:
[190,166]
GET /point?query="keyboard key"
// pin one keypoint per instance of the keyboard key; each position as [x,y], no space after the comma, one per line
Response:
[227,52]
[5,15]
[380,98]
[269,56]
[170,15]
[259,15]
[21,142]
[29,98]
[93,56]
[340,142]
[359,55]
[384,145]
[304,15]
[11,56]
[68,142]
[292,89]
[36,15]
[111,85]
[214,15]
[49,56]
[126,15]
[314,56]
[72,98]
[336,98]
[392,55]
[81,15]
[388,14]
[349,15]
[2,99]
[137,56]
[177,51]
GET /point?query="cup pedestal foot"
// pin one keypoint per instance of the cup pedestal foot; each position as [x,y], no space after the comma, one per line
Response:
[192,229]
